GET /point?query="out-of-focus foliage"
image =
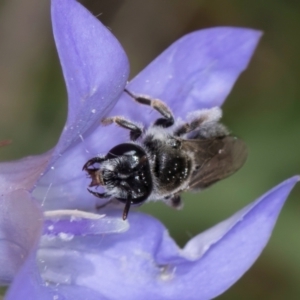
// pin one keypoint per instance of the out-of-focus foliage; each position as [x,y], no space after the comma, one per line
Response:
[263,109]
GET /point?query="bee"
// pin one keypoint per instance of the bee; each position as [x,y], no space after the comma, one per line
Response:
[167,158]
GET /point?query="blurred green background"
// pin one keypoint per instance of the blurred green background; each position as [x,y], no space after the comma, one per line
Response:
[263,109]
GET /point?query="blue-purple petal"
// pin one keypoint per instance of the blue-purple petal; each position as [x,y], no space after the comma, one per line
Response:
[145,261]
[94,64]
[95,68]
[228,258]
[20,229]
[29,285]
[197,71]
[23,173]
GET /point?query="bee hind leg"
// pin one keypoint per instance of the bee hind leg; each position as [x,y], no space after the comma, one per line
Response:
[195,123]
[200,119]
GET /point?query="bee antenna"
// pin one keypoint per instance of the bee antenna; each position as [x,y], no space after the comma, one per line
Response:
[126,208]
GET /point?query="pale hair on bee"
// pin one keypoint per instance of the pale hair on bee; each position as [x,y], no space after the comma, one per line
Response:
[167,158]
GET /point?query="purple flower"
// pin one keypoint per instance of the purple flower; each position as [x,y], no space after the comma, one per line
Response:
[53,245]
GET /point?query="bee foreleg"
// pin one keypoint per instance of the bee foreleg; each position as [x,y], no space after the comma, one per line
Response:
[99,195]
[97,159]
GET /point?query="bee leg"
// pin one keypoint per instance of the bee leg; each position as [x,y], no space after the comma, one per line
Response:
[158,105]
[183,129]
[99,195]
[199,118]
[135,130]
[98,159]
[174,201]
[188,127]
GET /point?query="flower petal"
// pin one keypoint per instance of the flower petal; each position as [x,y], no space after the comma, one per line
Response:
[144,262]
[95,69]
[115,255]
[29,285]
[72,223]
[197,71]
[237,249]
[23,173]
[20,228]
[94,64]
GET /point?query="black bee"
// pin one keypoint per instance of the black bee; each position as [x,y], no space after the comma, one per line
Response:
[166,159]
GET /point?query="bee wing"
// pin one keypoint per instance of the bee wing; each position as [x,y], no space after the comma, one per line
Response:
[215,159]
